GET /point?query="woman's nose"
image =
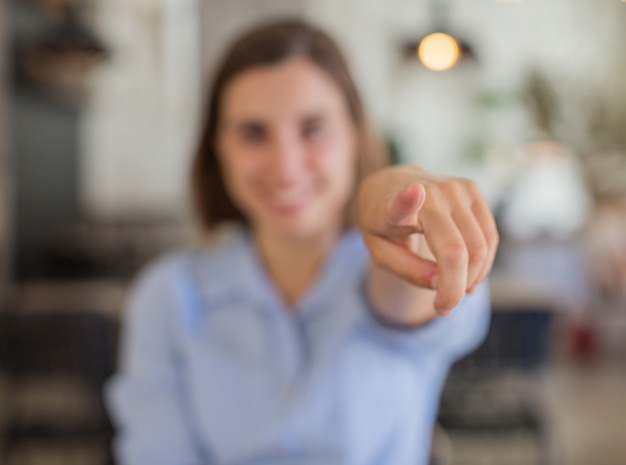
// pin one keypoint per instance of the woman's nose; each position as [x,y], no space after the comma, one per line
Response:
[288,158]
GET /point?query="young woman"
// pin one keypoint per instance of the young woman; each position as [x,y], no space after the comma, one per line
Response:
[322,331]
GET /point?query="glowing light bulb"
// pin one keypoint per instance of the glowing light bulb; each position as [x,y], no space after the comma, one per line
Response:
[439,51]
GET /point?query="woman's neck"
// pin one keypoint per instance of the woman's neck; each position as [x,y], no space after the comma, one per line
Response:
[293,265]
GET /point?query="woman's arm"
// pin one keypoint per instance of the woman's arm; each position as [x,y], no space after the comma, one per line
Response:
[432,239]
[146,396]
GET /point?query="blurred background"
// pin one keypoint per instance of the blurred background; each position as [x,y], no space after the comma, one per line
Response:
[100,103]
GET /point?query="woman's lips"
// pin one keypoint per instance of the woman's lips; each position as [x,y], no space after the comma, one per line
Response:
[291,202]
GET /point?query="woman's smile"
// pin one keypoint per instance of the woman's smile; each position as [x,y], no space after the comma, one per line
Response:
[291,201]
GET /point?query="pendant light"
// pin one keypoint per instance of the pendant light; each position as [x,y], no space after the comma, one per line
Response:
[438,50]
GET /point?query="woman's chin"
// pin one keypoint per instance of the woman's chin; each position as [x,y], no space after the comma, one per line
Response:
[296,227]
[295,231]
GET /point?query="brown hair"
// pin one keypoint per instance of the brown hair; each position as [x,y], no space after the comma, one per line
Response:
[262,46]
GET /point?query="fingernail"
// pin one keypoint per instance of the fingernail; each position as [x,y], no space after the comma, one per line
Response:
[434,281]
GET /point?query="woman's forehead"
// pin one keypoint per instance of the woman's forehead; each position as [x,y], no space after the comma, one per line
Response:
[293,88]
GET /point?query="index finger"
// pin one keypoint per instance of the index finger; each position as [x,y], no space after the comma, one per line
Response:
[448,246]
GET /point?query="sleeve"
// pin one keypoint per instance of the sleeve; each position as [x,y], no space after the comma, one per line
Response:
[447,338]
[145,396]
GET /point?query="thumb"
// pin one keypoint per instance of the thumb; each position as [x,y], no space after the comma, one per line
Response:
[402,209]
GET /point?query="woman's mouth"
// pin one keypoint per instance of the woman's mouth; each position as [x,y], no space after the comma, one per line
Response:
[292,200]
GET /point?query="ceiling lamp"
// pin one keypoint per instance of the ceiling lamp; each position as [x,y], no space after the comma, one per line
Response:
[438,50]
[58,60]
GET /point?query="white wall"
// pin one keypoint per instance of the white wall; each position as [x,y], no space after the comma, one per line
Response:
[141,128]
[568,38]
[435,117]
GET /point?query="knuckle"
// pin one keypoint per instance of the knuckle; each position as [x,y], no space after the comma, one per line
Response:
[433,191]
[454,254]
[493,238]
[471,186]
[479,250]
[457,186]
[451,185]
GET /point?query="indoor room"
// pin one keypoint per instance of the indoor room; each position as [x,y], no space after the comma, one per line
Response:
[253,232]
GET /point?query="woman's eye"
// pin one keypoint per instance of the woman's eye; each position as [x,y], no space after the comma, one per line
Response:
[313,130]
[252,134]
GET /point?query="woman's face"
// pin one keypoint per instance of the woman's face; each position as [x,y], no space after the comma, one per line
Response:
[287,148]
